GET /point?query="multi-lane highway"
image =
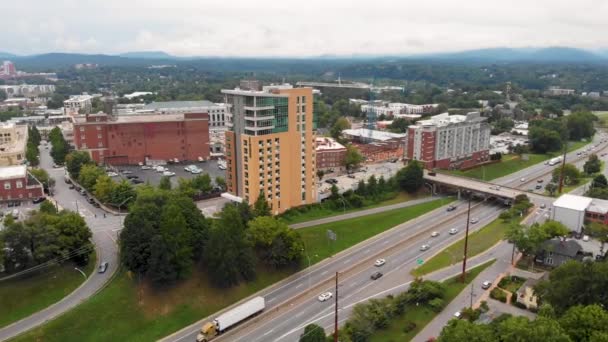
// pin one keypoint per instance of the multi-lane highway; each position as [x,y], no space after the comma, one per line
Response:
[293,304]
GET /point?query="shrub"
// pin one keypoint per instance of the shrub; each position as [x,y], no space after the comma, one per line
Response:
[499,295]
[519,305]
[409,326]
[484,306]
[436,304]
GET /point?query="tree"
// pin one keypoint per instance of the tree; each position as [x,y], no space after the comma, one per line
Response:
[580,125]
[551,188]
[353,157]
[320,174]
[522,329]
[313,333]
[31,154]
[161,270]
[122,194]
[202,183]
[220,182]
[3,95]
[571,174]
[599,231]
[600,181]
[275,242]
[75,161]
[529,240]
[47,207]
[165,183]
[88,176]
[75,236]
[580,322]
[229,254]
[104,187]
[43,177]
[261,206]
[411,177]
[336,129]
[460,330]
[592,165]
[34,135]
[543,140]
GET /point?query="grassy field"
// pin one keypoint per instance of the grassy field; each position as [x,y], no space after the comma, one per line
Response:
[511,164]
[422,315]
[479,241]
[126,311]
[353,231]
[323,212]
[25,295]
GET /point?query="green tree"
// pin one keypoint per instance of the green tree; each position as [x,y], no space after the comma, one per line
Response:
[571,174]
[353,157]
[104,187]
[32,154]
[75,161]
[88,176]
[122,194]
[320,174]
[47,207]
[140,228]
[411,177]
[43,177]
[165,183]
[580,322]
[74,236]
[600,181]
[592,165]
[522,329]
[261,206]
[336,129]
[34,135]
[202,183]
[551,188]
[459,330]
[543,140]
[313,333]
[275,242]
[580,125]
[161,269]
[220,182]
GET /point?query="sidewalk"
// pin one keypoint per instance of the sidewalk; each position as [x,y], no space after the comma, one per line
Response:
[362,213]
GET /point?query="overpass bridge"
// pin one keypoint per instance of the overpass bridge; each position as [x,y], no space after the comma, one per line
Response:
[483,188]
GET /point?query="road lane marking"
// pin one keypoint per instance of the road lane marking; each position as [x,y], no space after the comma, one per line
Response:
[324,273]
[347,261]
[297,287]
[366,251]
[268,332]
[386,242]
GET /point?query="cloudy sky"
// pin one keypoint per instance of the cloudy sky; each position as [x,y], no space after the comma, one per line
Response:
[298,28]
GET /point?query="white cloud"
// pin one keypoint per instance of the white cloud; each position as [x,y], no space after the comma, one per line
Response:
[286,28]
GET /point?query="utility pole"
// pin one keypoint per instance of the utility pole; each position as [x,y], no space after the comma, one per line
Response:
[471,305]
[561,174]
[336,312]
[466,241]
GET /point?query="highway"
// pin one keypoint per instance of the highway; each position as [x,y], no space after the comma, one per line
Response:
[104,231]
[293,304]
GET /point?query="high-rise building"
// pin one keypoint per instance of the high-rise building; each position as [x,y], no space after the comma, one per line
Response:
[449,141]
[270,146]
[8,68]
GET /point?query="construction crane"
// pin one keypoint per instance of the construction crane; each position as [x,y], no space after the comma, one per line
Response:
[371,113]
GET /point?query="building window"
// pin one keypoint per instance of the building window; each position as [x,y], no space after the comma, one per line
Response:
[7,185]
[98,128]
[98,136]
[81,128]
[100,144]
[19,184]
[549,261]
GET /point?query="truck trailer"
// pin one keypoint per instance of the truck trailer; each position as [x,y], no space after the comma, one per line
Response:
[230,318]
[555,161]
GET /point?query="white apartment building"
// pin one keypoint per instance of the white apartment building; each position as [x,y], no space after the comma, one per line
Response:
[27,90]
[78,104]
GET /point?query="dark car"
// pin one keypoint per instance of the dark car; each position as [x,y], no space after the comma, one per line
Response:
[83,192]
[39,200]
[451,208]
[77,188]
[540,180]
[136,181]
[96,205]
[376,275]
[538,187]
[132,177]
[91,200]
[71,186]
[103,267]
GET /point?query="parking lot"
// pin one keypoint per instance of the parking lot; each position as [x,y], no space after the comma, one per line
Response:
[348,182]
[210,167]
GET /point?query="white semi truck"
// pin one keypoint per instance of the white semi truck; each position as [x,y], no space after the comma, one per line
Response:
[555,161]
[230,318]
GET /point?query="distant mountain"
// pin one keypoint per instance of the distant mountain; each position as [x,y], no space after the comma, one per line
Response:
[551,54]
[6,55]
[147,55]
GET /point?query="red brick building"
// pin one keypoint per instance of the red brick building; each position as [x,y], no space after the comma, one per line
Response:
[330,154]
[132,139]
[449,141]
[17,184]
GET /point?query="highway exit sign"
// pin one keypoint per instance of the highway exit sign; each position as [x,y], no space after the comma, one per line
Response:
[420,261]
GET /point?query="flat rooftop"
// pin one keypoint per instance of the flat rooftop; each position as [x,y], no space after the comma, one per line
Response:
[445,119]
[598,206]
[373,134]
[11,172]
[180,105]
[574,202]
[328,144]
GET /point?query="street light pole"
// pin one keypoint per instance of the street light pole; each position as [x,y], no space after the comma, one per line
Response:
[466,240]
[79,270]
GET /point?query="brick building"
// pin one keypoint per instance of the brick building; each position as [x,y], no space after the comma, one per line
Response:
[330,154]
[17,184]
[133,139]
[13,140]
[377,146]
[449,141]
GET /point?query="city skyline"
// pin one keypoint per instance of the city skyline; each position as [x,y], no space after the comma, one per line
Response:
[203,28]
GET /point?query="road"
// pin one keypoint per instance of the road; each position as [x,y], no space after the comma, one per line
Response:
[400,246]
[293,304]
[105,231]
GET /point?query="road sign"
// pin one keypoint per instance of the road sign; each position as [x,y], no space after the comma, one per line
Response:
[331,235]
[420,261]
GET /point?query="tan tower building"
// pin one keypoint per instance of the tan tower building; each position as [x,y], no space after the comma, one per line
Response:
[270,146]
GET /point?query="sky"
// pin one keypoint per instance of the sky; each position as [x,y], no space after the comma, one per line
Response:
[298,28]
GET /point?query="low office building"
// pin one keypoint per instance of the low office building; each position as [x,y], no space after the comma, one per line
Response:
[573,211]
[132,139]
[330,154]
[78,104]
[17,184]
[450,141]
[526,294]
[13,140]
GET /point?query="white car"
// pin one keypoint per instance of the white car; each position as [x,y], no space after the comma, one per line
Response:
[221,167]
[196,171]
[168,174]
[189,168]
[486,285]
[474,220]
[379,262]
[457,314]
[434,234]
[453,231]
[424,247]
[161,169]
[112,174]
[325,296]
[146,167]
[522,180]
[543,206]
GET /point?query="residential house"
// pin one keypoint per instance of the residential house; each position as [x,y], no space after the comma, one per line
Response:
[557,251]
[526,295]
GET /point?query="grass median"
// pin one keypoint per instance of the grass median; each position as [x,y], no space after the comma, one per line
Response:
[479,242]
[130,311]
[513,163]
[423,315]
[22,296]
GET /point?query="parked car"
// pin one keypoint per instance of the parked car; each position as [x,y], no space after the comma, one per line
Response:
[39,200]
[71,186]
[77,188]
[543,206]
[325,296]
[486,285]
[103,267]
[376,275]
[221,167]
[96,205]
[457,314]
[380,262]
[540,181]
[522,180]
[196,171]
[112,174]
[424,247]
[126,172]
[146,167]
[15,214]
[351,176]
[132,176]
[453,231]
[168,174]
[136,181]
[189,168]
[83,192]
[91,200]
[161,169]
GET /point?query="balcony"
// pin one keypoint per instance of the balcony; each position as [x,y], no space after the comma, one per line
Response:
[259,118]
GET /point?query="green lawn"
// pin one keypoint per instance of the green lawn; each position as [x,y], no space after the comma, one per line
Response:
[25,295]
[422,315]
[352,231]
[512,163]
[124,311]
[322,212]
[479,241]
